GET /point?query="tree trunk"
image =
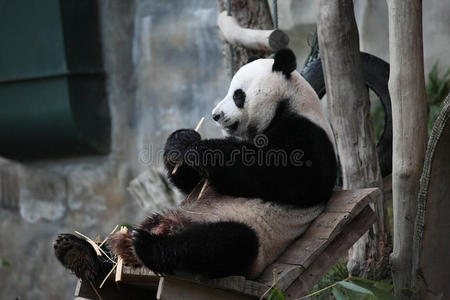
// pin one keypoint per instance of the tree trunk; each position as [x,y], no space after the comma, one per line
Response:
[349,108]
[249,14]
[409,111]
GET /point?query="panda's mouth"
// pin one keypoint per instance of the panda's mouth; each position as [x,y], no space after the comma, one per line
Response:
[232,127]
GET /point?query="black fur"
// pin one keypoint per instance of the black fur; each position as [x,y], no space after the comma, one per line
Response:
[239,98]
[302,185]
[185,178]
[213,249]
[222,248]
[285,62]
[77,255]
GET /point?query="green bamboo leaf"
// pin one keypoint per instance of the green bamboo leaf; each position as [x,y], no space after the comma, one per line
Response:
[378,292]
[338,294]
[276,294]
[354,287]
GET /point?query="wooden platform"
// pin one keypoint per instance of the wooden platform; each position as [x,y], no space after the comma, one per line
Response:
[346,218]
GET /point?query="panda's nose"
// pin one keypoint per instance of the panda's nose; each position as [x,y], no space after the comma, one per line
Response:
[217,116]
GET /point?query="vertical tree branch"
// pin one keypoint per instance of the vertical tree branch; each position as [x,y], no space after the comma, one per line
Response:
[409,111]
[349,110]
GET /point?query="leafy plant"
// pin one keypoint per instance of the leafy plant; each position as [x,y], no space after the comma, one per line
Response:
[336,284]
[337,273]
[436,89]
[276,294]
[4,263]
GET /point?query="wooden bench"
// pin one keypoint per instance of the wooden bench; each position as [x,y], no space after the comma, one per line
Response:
[346,218]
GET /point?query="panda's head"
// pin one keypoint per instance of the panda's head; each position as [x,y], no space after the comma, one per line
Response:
[254,94]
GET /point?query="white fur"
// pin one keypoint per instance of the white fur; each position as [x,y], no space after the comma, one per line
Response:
[264,89]
[275,225]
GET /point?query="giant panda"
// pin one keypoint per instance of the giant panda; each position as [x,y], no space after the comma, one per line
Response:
[242,210]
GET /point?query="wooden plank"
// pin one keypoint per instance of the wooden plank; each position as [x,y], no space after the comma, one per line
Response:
[172,288]
[301,255]
[232,283]
[127,270]
[110,291]
[285,273]
[322,231]
[335,250]
[327,226]
[352,201]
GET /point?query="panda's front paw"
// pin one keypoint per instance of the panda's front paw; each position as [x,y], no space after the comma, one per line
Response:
[177,144]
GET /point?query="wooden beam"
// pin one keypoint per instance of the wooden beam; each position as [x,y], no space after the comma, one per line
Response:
[349,111]
[248,14]
[172,288]
[265,40]
[410,116]
[335,250]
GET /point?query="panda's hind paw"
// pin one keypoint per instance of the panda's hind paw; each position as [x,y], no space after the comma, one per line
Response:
[148,251]
[122,246]
[78,256]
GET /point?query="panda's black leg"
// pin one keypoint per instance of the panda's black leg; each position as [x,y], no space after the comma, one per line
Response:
[214,249]
[78,256]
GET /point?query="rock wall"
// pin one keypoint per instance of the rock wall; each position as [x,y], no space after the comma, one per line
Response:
[164,70]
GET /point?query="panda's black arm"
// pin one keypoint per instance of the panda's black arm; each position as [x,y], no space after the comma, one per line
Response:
[232,167]
[185,177]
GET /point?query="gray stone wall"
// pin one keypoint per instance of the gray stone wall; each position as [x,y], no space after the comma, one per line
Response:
[164,70]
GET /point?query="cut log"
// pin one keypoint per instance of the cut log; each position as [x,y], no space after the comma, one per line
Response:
[248,14]
[265,40]
[410,116]
[349,111]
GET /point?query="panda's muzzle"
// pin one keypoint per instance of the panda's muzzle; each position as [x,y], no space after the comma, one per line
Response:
[217,116]
[232,127]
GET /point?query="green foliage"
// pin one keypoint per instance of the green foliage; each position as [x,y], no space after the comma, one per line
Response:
[337,273]
[437,89]
[354,288]
[336,284]
[276,294]
[4,263]
[377,117]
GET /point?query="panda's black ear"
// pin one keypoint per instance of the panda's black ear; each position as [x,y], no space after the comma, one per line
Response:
[285,62]
[252,58]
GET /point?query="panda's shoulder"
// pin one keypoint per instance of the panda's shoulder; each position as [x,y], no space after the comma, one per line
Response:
[288,122]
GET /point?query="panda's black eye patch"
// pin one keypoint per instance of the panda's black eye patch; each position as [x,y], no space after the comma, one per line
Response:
[239,98]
